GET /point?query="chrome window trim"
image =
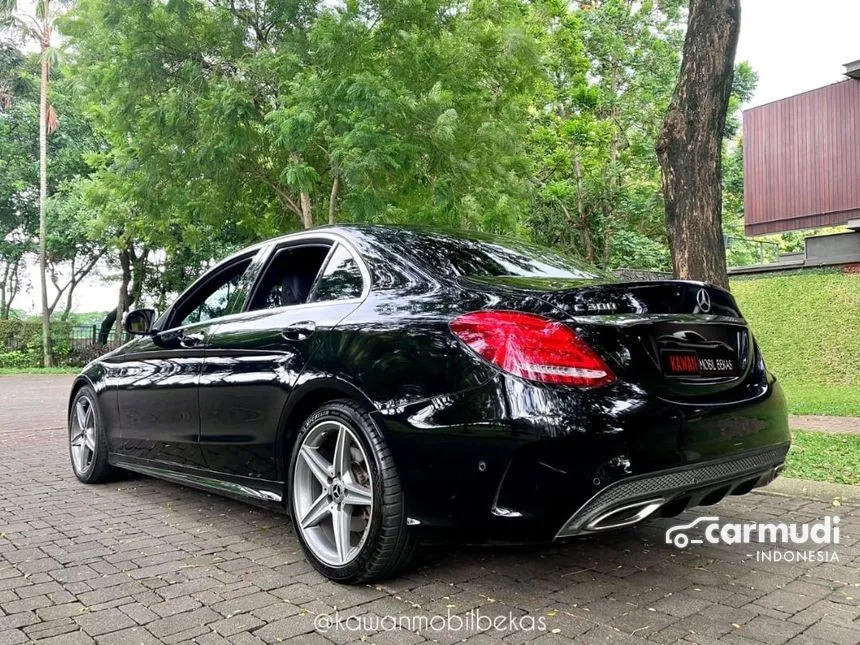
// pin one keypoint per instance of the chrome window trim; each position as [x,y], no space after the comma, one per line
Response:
[251,254]
[262,252]
[279,243]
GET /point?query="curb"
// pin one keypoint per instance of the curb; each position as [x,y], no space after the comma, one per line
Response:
[806,488]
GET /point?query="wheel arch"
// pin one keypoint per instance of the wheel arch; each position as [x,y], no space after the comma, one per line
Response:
[301,404]
[94,376]
[80,382]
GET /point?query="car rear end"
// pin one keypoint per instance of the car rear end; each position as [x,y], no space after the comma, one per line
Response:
[647,399]
[590,404]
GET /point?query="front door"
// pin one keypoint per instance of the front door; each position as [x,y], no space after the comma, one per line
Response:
[157,377]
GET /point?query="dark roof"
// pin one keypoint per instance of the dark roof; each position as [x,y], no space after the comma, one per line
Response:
[852,69]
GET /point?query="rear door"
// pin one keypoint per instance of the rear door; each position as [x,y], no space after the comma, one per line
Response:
[254,360]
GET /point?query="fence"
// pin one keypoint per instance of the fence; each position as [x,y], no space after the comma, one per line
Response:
[86,337]
[73,345]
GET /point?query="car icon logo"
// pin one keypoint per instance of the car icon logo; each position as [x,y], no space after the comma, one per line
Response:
[676,535]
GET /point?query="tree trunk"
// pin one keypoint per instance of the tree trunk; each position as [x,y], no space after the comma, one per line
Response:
[304,198]
[307,216]
[68,309]
[332,200]
[107,324]
[138,267]
[10,288]
[123,300]
[133,267]
[690,142]
[4,309]
[584,229]
[43,193]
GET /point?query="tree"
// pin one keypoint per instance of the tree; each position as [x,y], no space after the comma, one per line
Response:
[265,116]
[609,71]
[72,251]
[39,27]
[690,143]
[18,176]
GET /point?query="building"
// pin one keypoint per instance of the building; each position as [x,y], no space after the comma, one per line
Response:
[802,168]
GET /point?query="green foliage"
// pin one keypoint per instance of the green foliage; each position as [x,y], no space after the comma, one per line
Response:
[18,169]
[18,332]
[221,115]
[610,70]
[21,343]
[824,457]
[809,334]
[635,250]
[72,243]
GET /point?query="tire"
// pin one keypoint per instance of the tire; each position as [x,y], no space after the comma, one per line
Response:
[88,453]
[386,544]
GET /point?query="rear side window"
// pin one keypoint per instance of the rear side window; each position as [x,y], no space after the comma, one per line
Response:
[341,279]
[289,277]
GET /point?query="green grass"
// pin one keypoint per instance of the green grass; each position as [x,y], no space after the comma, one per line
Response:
[832,400]
[38,370]
[808,327]
[824,457]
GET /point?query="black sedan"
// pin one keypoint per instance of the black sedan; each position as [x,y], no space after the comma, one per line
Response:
[385,386]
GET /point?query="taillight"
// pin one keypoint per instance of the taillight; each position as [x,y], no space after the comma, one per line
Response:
[533,347]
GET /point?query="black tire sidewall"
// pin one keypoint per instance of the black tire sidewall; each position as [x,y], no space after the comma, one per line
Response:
[98,468]
[346,415]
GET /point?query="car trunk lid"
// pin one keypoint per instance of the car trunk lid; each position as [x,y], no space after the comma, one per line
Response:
[678,339]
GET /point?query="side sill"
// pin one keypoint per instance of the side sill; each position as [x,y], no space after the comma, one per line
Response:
[243,492]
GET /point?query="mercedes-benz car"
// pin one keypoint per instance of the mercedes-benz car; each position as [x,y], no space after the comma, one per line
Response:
[388,386]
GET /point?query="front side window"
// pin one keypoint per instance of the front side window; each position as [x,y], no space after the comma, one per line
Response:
[218,297]
[341,279]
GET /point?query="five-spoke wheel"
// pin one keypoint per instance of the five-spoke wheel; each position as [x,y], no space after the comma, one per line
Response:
[333,492]
[345,496]
[82,434]
[87,443]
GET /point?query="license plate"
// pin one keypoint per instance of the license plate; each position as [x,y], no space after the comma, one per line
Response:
[695,364]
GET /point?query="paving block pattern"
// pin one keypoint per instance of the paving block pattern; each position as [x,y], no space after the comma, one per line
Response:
[142,561]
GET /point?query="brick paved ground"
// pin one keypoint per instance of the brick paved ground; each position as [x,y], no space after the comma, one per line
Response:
[143,561]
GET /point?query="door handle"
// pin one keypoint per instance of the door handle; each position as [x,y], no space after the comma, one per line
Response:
[191,340]
[299,330]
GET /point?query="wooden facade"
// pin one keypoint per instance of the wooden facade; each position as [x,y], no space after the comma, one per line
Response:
[802,160]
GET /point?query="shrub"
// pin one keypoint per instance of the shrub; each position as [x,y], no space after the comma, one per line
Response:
[21,342]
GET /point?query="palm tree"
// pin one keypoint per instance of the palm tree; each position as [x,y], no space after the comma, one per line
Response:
[39,26]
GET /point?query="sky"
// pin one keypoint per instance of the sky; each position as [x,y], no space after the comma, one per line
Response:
[793,45]
[797,45]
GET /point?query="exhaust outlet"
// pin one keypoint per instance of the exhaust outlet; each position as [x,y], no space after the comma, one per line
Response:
[626,515]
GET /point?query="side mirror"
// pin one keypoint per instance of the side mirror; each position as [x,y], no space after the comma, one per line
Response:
[138,322]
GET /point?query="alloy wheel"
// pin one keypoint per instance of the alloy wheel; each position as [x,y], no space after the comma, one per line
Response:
[82,434]
[333,493]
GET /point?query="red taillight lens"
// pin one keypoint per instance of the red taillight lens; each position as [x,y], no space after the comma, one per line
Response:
[533,347]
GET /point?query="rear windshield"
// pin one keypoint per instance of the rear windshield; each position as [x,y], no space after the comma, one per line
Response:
[479,256]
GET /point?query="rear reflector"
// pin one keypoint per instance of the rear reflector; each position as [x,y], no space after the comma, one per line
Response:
[533,347]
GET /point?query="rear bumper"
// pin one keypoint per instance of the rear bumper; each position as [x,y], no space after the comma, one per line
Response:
[512,462]
[669,492]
